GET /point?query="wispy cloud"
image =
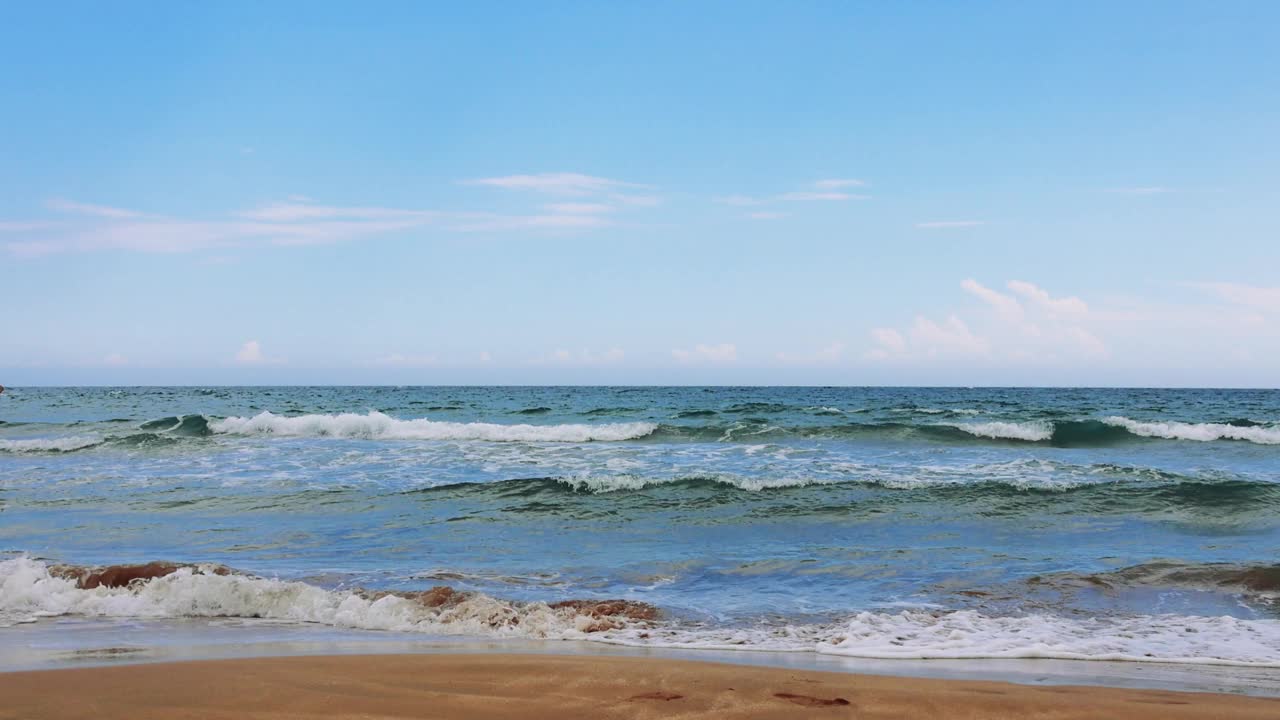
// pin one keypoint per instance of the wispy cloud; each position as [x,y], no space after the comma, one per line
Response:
[67,206]
[550,221]
[766,215]
[837,183]
[950,224]
[303,210]
[555,183]
[26,226]
[814,195]
[296,221]
[818,190]
[579,208]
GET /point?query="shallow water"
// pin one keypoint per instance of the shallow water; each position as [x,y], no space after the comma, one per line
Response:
[1136,525]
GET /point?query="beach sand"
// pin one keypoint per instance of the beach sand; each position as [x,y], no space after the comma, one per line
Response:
[533,687]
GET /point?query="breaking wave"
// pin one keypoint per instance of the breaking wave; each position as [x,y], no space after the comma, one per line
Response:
[376,425]
[1200,432]
[30,589]
[1030,432]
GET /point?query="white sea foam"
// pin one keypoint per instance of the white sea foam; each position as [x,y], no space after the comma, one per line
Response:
[379,426]
[965,634]
[1029,431]
[1144,638]
[1200,432]
[28,591]
[41,445]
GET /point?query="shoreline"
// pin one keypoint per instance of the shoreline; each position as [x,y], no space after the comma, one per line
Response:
[488,685]
[64,643]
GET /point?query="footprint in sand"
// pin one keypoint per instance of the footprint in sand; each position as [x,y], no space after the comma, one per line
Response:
[810,701]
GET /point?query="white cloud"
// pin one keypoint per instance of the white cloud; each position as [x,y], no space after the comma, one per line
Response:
[294,211]
[1069,305]
[579,208]
[535,222]
[278,224]
[1086,342]
[486,357]
[1004,304]
[721,354]
[25,226]
[1043,329]
[554,183]
[766,215]
[890,340]
[837,183]
[102,211]
[296,222]
[820,190]
[949,224]
[950,337]
[251,354]
[1266,299]
[814,195]
[115,359]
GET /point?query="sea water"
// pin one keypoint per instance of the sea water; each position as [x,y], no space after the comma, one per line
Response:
[879,523]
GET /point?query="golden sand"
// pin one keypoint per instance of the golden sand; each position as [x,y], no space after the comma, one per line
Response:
[534,687]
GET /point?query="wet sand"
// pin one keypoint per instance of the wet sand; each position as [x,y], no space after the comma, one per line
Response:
[534,687]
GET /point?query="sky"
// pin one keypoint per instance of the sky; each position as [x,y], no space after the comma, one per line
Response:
[922,193]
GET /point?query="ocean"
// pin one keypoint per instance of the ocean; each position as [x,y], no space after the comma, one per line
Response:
[879,523]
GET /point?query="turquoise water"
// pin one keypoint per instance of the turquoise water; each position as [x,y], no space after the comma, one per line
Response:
[913,522]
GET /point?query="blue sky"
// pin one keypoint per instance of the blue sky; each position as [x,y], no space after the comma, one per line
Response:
[843,193]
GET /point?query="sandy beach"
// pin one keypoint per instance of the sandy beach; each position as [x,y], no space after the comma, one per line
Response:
[547,686]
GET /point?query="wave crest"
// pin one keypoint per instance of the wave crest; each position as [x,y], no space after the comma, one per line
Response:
[1030,432]
[29,590]
[1199,432]
[376,425]
[48,445]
